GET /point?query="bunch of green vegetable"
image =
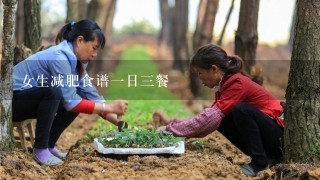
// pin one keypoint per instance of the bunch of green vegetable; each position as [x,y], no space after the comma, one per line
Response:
[140,138]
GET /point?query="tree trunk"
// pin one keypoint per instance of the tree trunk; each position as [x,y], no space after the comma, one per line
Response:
[106,13]
[32,26]
[164,36]
[226,23]
[290,42]
[82,9]
[203,36]
[1,23]
[92,13]
[72,11]
[302,136]
[203,33]
[201,13]
[180,30]
[93,9]
[246,39]
[106,20]
[20,23]
[6,136]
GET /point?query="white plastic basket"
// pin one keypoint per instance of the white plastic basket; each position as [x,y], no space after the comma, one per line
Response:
[177,149]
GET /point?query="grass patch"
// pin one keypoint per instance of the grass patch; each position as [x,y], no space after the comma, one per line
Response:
[139,78]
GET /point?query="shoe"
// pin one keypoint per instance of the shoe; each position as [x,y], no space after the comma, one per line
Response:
[58,154]
[50,161]
[251,169]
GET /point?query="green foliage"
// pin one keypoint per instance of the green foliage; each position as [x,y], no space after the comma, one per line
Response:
[136,28]
[138,139]
[136,63]
[142,101]
[196,144]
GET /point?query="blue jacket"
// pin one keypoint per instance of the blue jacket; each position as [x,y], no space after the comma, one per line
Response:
[41,68]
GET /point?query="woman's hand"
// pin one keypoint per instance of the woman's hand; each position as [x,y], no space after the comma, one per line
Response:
[161,128]
[118,107]
[159,119]
[116,120]
[111,117]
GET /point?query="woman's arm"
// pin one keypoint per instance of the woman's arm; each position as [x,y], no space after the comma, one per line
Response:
[118,107]
[199,126]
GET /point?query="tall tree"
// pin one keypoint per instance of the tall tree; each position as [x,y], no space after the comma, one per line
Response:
[201,13]
[93,9]
[302,128]
[32,26]
[180,30]
[204,29]
[1,15]
[6,136]
[82,9]
[72,10]
[103,12]
[246,39]
[226,23]
[203,35]
[105,19]
[20,23]
[290,42]
[166,17]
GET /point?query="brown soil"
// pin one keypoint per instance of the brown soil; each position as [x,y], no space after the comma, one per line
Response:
[218,159]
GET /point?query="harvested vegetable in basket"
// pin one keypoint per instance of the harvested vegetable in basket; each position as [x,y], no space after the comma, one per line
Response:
[140,138]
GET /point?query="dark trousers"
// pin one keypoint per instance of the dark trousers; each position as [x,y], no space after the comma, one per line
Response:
[254,133]
[45,105]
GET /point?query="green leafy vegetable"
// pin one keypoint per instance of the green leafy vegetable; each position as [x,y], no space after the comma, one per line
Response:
[140,138]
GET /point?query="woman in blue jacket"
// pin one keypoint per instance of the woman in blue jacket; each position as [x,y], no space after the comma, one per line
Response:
[51,87]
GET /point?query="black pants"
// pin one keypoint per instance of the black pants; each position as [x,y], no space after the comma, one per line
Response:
[254,133]
[45,105]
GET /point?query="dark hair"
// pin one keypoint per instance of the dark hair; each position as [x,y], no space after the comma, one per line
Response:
[210,55]
[86,28]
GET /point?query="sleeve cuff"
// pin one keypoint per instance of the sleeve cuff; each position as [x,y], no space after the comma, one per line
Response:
[85,106]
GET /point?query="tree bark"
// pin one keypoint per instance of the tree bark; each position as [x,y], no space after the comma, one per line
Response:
[180,30]
[203,36]
[6,136]
[246,39]
[293,22]
[106,21]
[82,9]
[302,130]
[20,23]
[32,26]
[93,9]
[1,23]
[72,11]
[203,33]
[164,36]
[226,23]
[201,13]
